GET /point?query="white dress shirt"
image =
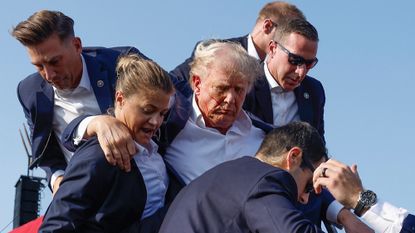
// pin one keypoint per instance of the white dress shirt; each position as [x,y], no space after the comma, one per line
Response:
[198,148]
[70,104]
[154,173]
[384,217]
[251,48]
[284,104]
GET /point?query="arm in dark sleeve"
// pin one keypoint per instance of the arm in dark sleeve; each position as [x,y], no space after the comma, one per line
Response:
[68,133]
[51,159]
[79,195]
[271,209]
[182,70]
[408,224]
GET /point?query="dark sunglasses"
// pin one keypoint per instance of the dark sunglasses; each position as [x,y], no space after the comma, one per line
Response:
[307,163]
[298,60]
[309,188]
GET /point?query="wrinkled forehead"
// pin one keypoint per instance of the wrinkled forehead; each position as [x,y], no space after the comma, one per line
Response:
[227,76]
[228,70]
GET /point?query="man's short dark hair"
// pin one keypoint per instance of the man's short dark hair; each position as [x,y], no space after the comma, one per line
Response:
[295,134]
[41,25]
[299,26]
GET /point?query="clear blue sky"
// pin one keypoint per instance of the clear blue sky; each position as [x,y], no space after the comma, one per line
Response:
[366,64]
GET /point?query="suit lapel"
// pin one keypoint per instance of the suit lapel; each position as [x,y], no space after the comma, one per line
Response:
[263,99]
[303,99]
[100,82]
[244,42]
[44,117]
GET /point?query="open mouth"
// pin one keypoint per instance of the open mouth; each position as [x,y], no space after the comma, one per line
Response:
[148,132]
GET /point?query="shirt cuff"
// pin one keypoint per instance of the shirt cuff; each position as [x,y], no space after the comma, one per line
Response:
[55,175]
[79,132]
[384,217]
[332,211]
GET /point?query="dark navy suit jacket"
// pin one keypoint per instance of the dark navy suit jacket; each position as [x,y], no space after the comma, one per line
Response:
[95,196]
[408,224]
[37,99]
[242,195]
[310,98]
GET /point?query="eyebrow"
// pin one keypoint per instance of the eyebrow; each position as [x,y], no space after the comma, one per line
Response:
[49,60]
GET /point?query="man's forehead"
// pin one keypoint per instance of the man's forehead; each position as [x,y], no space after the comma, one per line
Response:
[298,40]
[229,80]
[36,57]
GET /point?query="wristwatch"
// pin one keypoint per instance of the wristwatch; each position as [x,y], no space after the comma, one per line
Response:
[367,198]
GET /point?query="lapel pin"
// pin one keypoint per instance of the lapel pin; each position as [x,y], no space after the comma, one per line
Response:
[306,95]
[100,83]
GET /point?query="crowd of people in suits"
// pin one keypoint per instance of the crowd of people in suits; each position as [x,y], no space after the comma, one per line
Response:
[231,140]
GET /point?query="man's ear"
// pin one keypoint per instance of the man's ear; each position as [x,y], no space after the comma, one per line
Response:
[196,84]
[294,158]
[76,41]
[272,47]
[119,98]
[267,26]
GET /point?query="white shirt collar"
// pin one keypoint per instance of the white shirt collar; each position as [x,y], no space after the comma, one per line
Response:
[196,115]
[273,85]
[241,125]
[251,48]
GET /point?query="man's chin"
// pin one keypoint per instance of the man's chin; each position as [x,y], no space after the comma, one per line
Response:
[224,123]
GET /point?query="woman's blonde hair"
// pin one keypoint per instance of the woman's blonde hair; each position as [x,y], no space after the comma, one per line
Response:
[136,74]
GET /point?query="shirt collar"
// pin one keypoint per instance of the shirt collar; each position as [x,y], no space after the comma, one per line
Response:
[196,115]
[251,48]
[146,150]
[242,124]
[273,85]
[85,83]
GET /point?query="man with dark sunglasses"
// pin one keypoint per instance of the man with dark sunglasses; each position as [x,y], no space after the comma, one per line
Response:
[254,194]
[285,93]
[256,42]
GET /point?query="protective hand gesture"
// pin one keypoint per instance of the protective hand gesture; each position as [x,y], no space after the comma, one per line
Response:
[342,181]
[115,140]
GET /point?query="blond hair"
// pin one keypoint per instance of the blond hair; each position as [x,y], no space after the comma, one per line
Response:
[279,11]
[136,74]
[231,57]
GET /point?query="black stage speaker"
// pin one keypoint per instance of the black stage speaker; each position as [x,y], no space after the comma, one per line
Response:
[27,199]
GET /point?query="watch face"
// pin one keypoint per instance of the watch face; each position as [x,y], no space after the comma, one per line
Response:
[368,198]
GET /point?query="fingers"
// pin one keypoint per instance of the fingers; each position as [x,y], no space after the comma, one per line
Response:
[116,142]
